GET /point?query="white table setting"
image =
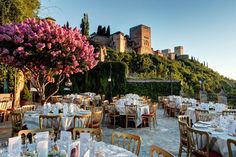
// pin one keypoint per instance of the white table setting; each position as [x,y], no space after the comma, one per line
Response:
[45,145]
[132,99]
[31,118]
[220,129]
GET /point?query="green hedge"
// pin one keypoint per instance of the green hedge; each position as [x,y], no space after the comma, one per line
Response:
[96,80]
[153,89]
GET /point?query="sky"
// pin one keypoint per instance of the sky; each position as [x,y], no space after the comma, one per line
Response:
[206,28]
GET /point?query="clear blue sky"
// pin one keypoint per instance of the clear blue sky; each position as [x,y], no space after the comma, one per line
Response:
[206,28]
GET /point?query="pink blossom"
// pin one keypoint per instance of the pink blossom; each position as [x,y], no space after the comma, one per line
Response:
[40,46]
[49,46]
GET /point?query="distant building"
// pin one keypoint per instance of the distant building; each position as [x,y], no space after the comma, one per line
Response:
[179,50]
[118,42]
[50,19]
[158,53]
[99,39]
[182,57]
[141,37]
[165,52]
[171,56]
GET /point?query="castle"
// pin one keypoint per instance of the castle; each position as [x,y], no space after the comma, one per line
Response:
[139,40]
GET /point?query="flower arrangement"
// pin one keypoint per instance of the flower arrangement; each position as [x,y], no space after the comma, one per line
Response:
[43,49]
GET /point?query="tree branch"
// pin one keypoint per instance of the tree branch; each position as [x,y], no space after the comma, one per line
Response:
[61,78]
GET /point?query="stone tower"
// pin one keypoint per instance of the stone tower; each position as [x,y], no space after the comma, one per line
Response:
[179,50]
[141,37]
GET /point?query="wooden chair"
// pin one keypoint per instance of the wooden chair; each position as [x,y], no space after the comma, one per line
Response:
[2,115]
[172,109]
[231,142]
[166,107]
[82,121]
[28,108]
[131,114]
[105,104]
[130,142]
[113,114]
[50,121]
[56,98]
[183,109]
[183,144]
[30,133]
[97,132]
[202,115]
[16,120]
[159,151]
[151,116]
[199,144]
[185,119]
[96,118]
[228,112]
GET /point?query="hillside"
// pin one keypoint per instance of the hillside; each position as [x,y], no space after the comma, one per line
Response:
[189,72]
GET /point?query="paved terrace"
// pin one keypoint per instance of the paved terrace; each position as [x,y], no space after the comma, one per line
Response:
[166,134]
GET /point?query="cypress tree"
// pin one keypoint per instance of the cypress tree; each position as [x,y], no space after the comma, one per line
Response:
[99,30]
[103,31]
[67,24]
[108,31]
[85,25]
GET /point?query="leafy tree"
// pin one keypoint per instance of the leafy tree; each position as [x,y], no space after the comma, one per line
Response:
[18,10]
[85,25]
[45,59]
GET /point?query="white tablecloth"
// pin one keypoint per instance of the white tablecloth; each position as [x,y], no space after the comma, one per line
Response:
[191,112]
[141,109]
[31,119]
[113,151]
[218,140]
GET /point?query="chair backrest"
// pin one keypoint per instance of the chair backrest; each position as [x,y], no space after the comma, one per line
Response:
[30,133]
[2,115]
[183,132]
[96,118]
[97,132]
[159,151]
[130,110]
[130,142]
[202,115]
[228,112]
[198,142]
[16,119]
[5,104]
[231,142]
[82,121]
[26,108]
[50,121]
[185,119]
[56,98]
[153,108]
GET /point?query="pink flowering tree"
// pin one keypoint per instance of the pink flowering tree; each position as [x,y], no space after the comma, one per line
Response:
[45,52]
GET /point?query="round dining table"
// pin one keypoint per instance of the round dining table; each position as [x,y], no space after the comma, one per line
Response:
[101,149]
[218,137]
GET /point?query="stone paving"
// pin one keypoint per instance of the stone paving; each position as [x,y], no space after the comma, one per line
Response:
[166,134]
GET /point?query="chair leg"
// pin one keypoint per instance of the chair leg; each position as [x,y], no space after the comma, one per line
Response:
[114,123]
[180,150]
[126,122]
